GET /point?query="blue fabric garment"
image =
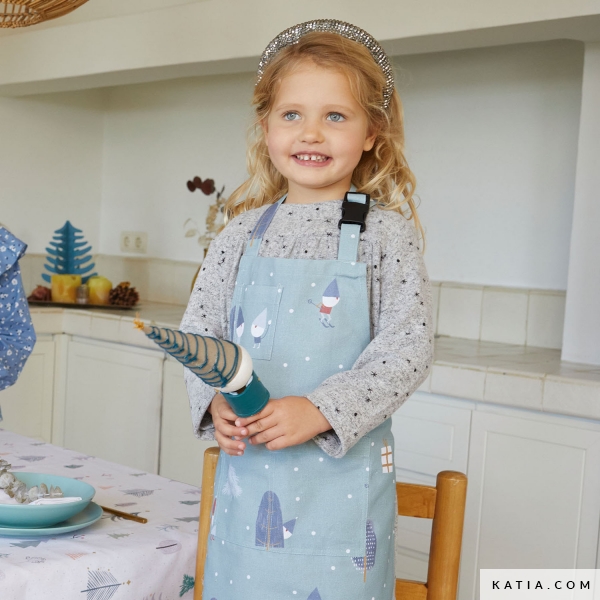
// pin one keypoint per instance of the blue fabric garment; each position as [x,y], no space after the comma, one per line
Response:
[17,336]
[297,523]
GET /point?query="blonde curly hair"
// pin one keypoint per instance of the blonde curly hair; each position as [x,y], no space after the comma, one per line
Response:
[382,172]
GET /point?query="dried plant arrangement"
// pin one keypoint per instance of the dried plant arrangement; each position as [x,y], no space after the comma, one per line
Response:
[17,489]
[215,220]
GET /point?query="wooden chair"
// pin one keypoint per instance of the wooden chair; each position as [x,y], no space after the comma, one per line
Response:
[444,503]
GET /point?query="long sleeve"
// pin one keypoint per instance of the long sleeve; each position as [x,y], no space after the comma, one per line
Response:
[206,314]
[398,358]
[17,336]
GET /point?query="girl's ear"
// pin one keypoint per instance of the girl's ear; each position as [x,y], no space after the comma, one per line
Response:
[264,125]
[370,141]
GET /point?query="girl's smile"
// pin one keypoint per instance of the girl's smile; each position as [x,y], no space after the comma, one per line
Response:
[316,133]
[311,160]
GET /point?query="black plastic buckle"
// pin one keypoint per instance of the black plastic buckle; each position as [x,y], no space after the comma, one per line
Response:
[355,213]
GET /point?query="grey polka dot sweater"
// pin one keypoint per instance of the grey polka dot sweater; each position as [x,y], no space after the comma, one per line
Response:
[400,353]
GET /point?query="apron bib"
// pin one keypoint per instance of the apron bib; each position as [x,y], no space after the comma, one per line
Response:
[296,523]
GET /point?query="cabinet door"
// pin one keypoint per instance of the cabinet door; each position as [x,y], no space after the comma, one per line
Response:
[534,494]
[181,452]
[113,400]
[431,434]
[27,405]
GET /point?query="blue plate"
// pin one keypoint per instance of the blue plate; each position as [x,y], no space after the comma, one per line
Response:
[25,515]
[82,519]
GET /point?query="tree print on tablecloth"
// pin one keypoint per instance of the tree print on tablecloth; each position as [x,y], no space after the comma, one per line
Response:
[102,585]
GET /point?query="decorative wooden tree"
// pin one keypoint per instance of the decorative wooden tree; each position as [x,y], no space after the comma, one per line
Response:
[69,254]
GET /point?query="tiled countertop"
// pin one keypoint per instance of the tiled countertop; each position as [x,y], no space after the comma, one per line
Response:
[511,375]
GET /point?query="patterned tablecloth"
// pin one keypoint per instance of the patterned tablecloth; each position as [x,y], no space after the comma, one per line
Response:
[114,557]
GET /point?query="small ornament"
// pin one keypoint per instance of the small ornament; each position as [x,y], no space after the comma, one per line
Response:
[68,256]
[83,294]
[64,288]
[124,295]
[41,294]
[99,290]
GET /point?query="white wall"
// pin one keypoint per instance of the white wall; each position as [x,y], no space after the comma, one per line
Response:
[51,165]
[491,135]
[157,137]
[582,317]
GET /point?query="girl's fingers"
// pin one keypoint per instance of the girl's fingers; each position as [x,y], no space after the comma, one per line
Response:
[265,412]
[226,429]
[228,445]
[225,412]
[261,425]
[278,443]
[266,436]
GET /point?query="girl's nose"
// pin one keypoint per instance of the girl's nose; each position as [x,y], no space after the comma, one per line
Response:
[311,132]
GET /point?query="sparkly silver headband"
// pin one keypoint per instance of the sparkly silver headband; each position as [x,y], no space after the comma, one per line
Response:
[293,34]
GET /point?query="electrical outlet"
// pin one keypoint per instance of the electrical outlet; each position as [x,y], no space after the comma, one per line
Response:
[134,241]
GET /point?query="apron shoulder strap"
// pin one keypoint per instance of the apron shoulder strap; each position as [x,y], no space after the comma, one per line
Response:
[352,224]
[253,243]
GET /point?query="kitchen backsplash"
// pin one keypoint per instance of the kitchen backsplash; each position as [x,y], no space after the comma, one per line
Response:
[529,317]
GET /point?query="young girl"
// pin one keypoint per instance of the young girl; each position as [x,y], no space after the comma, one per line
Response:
[328,292]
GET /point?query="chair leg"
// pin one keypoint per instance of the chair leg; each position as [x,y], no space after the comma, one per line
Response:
[446,536]
[211,457]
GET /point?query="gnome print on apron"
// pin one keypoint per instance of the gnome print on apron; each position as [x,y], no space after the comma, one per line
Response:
[297,523]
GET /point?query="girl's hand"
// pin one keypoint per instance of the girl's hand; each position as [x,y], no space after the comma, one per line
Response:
[289,421]
[225,429]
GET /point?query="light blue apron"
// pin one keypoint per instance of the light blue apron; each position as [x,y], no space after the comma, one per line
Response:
[296,523]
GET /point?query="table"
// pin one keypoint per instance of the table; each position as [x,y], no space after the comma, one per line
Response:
[113,558]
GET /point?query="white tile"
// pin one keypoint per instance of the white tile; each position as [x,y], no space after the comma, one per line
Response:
[426,385]
[105,328]
[77,322]
[460,382]
[47,320]
[128,334]
[184,274]
[546,319]
[435,296]
[161,280]
[459,312]
[571,398]
[512,389]
[504,316]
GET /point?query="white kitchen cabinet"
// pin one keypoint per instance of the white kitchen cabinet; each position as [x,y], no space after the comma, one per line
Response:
[181,452]
[431,434]
[113,402]
[534,493]
[27,405]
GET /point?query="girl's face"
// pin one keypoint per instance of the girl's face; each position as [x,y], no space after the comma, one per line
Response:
[316,133]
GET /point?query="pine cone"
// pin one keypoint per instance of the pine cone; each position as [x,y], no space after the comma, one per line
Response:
[41,294]
[124,295]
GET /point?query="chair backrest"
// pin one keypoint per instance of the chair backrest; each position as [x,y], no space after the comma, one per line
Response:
[211,457]
[445,504]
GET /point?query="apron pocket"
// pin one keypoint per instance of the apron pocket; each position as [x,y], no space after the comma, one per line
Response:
[296,501]
[260,306]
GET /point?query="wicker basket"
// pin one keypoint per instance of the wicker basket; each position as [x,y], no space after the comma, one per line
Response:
[21,13]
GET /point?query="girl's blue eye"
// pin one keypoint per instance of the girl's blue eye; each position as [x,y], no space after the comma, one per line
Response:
[290,116]
[336,117]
